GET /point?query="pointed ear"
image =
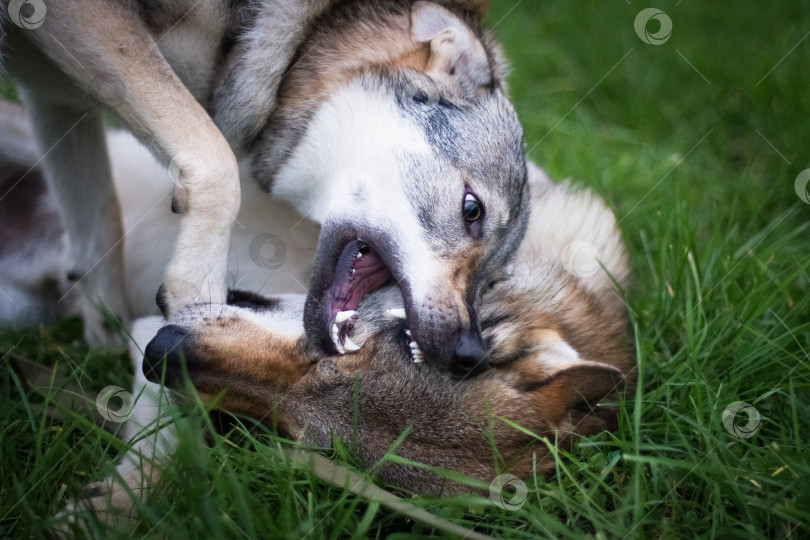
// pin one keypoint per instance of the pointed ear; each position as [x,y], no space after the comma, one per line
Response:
[570,398]
[454,48]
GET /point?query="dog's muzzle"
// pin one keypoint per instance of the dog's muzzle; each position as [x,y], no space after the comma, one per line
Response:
[164,356]
[470,355]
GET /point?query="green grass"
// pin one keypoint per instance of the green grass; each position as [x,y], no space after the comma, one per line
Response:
[699,163]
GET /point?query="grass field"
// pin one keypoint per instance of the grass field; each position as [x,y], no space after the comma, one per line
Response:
[696,143]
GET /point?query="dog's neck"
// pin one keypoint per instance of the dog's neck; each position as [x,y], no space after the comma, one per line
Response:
[355,39]
[360,36]
[341,47]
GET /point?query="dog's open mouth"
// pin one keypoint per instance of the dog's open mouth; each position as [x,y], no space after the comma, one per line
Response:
[359,272]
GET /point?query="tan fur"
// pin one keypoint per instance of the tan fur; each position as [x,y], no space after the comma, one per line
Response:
[559,347]
[376,41]
[259,72]
[120,63]
[110,501]
[252,360]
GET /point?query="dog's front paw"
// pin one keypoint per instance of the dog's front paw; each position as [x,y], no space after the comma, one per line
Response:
[184,286]
[207,193]
[173,295]
[106,503]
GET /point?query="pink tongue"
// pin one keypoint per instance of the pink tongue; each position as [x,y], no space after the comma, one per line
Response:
[370,273]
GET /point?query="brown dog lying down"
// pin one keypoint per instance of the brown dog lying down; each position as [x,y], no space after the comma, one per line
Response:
[556,330]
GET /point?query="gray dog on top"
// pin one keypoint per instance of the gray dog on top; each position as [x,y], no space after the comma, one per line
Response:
[385,121]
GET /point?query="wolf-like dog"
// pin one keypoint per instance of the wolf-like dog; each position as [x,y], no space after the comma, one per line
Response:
[555,325]
[560,355]
[384,120]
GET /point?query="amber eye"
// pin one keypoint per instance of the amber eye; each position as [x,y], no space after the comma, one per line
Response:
[472,209]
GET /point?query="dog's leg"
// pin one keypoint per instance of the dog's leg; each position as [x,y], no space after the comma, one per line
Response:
[109,52]
[152,433]
[74,147]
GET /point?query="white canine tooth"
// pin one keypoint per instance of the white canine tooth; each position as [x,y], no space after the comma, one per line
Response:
[343,316]
[407,332]
[399,313]
[350,345]
[358,255]
[336,339]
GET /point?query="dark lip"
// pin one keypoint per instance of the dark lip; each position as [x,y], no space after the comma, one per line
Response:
[335,254]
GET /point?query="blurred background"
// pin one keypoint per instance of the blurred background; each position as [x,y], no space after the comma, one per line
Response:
[717,112]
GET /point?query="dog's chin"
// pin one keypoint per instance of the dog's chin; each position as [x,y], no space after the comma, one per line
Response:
[358,272]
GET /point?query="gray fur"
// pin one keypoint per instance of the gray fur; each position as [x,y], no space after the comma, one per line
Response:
[369,399]
[261,71]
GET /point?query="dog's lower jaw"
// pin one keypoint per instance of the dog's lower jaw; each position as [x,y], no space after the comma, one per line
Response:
[332,295]
[434,330]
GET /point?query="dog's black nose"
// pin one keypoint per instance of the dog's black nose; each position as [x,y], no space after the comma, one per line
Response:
[470,354]
[166,349]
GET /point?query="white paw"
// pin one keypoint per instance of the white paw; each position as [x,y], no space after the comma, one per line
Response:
[106,502]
